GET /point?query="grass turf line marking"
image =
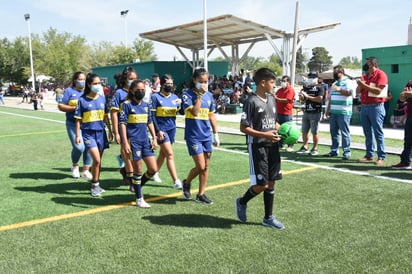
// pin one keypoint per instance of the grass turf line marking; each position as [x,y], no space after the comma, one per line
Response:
[111,207]
[33,117]
[32,133]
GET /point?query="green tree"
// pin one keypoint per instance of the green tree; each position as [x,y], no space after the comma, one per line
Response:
[122,55]
[300,61]
[350,62]
[14,58]
[144,50]
[320,60]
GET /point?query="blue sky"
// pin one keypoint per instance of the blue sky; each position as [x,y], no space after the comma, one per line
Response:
[364,24]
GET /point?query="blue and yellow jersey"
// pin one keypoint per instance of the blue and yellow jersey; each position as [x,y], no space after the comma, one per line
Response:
[136,117]
[198,127]
[118,98]
[165,109]
[91,112]
[70,98]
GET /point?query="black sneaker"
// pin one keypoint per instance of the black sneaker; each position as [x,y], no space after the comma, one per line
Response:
[186,190]
[330,154]
[203,199]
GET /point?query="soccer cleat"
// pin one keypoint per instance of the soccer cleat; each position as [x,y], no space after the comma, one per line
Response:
[87,174]
[177,184]
[314,152]
[156,178]
[346,157]
[273,223]
[120,161]
[401,166]
[240,211]
[140,202]
[186,190]
[96,191]
[203,199]
[366,160]
[303,150]
[75,172]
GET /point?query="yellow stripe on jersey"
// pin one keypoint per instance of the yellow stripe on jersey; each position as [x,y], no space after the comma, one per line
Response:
[73,103]
[166,111]
[203,114]
[137,118]
[93,116]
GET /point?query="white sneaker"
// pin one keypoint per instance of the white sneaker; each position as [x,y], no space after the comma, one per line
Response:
[177,184]
[87,174]
[75,172]
[156,178]
[142,203]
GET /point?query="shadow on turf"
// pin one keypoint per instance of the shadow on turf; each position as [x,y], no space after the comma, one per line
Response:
[192,220]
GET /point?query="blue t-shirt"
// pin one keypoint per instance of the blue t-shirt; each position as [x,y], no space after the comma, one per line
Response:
[119,97]
[91,112]
[165,110]
[70,98]
[198,128]
[136,117]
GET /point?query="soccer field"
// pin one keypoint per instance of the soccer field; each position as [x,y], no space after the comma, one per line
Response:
[340,217]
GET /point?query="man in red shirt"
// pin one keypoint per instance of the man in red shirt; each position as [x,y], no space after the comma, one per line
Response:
[285,97]
[373,89]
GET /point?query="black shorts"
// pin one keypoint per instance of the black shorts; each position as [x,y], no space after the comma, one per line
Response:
[264,164]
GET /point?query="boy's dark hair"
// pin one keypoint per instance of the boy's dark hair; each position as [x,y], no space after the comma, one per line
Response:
[263,74]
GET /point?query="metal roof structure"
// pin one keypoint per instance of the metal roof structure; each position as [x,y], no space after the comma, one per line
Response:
[227,30]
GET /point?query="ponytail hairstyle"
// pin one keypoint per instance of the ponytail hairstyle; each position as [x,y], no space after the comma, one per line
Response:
[125,73]
[196,73]
[75,76]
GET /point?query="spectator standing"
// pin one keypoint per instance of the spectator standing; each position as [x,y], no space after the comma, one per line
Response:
[68,105]
[339,112]
[373,88]
[258,122]
[155,83]
[312,96]
[35,100]
[91,116]
[135,122]
[200,120]
[165,106]
[285,98]
[58,92]
[406,96]
[1,96]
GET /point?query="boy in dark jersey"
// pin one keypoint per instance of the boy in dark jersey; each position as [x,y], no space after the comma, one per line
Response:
[258,122]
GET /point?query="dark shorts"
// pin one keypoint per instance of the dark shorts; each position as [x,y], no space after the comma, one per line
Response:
[140,151]
[169,136]
[198,147]
[95,138]
[265,164]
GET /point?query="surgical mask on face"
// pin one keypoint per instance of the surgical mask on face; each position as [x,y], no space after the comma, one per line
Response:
[129,82]
[167,89]
[138,95]
[97,89]
[80,84]
[199,85]
[283,84]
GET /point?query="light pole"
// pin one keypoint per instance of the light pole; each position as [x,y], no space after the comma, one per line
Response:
[33,81]
[123,14]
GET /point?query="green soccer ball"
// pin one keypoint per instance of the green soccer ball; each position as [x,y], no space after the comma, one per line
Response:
[290,133]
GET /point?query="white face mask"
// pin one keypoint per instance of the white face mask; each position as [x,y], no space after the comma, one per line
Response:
[283,84]
[97,89]
[198,85]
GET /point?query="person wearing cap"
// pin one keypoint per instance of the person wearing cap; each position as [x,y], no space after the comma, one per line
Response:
[406,96]
[155,83]
[373,89]
[311,96]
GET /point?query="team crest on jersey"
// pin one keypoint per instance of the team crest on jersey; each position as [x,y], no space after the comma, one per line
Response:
[88,142]
[259,177]
[138,153]
[195,147]
[101,105]
[89,105]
